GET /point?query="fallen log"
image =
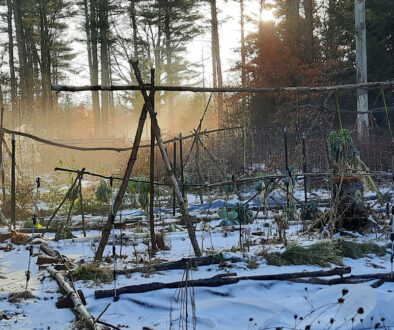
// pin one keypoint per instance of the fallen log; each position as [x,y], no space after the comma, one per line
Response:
[18,238]
[66,263]
[6,247]
[42,260]
[352,279]
[77,306]
[179,264]
[287,276]
[66,301]
[4,237]
[218,280]
[47,250]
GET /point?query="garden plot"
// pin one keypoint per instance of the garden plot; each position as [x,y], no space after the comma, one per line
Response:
[243,305]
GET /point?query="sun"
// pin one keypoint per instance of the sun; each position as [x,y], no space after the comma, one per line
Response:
[268,14]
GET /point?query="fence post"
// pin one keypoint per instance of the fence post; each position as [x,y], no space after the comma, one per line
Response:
[287,165]
[181,164]
[13,218]
[152,188]
[304,168]
[173,191]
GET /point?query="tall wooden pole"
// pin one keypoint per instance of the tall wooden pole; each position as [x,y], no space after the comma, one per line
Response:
[173,194]
[1,162]
[243,78]
[181,165]
[287,165]
[304,169]
[361,64]
[13,200]
[152,179]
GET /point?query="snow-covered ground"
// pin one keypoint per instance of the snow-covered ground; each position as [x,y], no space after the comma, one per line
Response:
[244,305]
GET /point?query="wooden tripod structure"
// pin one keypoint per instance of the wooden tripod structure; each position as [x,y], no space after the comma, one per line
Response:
[148,107]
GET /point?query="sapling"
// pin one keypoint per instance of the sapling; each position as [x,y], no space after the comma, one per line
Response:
[142,188]
[264,188]
[347,158]
[228,189]
[103,192]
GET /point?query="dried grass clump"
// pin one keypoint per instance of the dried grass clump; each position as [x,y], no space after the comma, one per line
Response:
[324,253]
[91,272]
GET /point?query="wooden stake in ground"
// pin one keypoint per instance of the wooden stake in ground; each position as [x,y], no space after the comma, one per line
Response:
[152,179]
[152,190]
[122,189]
[82,210]
[185,216]
[13,201]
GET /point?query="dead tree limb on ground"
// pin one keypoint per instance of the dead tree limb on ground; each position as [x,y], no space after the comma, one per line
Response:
[219,280]
[179,264]
[78,308]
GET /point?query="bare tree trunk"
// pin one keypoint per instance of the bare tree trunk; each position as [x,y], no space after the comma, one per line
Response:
[214,66]
[167,32]
[133,17]
[21,45]
[94,72]
[89,51]
[168,56]
[216,46]
[11,58]
[262,3]
[308,8]
[103,22]
[2,163]
[45,63]
[293,20]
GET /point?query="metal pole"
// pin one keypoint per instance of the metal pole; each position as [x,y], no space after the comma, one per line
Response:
[287,165]
[361,65]
[392,225]
[32,236]
[13,218]
[181,164]
[305,168]
[173,192]
[116,297]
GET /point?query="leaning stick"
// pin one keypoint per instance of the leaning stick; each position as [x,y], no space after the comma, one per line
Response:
[63,201]
[82,210]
